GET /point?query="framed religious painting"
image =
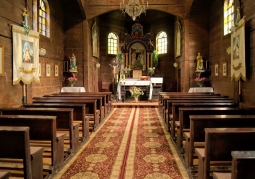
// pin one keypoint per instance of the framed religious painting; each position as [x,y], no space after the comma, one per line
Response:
[224,69]
[40,69]
[95,41]
[216,69]
[47,70]
[1,60]
[56,70]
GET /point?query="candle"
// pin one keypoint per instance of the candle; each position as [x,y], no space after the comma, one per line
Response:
[147,3]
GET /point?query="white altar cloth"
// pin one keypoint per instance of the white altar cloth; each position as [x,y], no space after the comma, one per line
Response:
[201,89]
[134,82]
[73,89]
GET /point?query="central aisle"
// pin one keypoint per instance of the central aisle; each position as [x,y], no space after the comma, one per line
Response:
[131,144]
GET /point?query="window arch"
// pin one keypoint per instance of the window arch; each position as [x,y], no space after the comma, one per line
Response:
[228,16]
[161,43]
[112,43]
[41,17]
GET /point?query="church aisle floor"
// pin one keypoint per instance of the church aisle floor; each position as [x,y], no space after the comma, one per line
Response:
[131,144]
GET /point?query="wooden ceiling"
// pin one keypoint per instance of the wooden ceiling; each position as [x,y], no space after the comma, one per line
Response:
[93,8]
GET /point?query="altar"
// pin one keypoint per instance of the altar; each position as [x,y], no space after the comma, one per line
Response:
[124,85]
[72,89]
[201,90]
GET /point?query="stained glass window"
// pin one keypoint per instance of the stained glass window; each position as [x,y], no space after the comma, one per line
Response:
[161,41]
[112,43]
[42,17]
[228,16]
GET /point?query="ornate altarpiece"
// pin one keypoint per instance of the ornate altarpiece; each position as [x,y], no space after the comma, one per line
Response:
[137,49]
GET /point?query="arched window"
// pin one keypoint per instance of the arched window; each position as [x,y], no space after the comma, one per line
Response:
[112,43]
[228,16]
[161,43]
[41,17]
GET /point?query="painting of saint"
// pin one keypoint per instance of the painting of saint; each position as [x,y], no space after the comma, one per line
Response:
[27,51]
[236,48]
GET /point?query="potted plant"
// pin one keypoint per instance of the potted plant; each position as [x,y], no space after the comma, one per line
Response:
[155,58]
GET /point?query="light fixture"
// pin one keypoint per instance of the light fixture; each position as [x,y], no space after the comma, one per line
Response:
[133,8]
[42,51]
[175,64]
[97,65]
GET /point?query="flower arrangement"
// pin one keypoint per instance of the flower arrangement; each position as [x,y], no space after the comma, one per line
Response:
[126,70]
[151,70]
[135,92]
[72,80]
[200,81]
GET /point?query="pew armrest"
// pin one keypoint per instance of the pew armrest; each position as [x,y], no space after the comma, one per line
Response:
[218,175]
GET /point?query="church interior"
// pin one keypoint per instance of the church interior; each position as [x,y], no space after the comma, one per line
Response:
[129,61]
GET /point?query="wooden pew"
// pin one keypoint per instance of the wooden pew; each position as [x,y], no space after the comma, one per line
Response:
[4,175]
[99,104]
[107,102]
[42,128]
[64,121]
[185,112]
[168,106]
[219,142]
[167,95]
[182,103]
[78,114]
[243,165]
[91,107]
[199,122]
[15,145]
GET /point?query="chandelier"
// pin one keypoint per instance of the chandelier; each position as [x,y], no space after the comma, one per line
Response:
[133,8]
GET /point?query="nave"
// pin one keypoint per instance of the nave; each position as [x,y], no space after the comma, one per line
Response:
[131,143]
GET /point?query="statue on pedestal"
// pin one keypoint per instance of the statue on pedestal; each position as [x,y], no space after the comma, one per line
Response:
[73,67]
[200,62]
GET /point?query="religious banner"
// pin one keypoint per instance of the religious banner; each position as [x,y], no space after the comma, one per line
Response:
[238,69]
[25,56]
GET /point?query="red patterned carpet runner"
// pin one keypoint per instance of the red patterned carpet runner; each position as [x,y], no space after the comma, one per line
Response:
[131,144]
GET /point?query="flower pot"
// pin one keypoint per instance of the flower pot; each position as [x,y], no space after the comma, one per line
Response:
[136,98]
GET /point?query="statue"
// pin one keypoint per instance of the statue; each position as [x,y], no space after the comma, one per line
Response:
[200,61]
[73,67]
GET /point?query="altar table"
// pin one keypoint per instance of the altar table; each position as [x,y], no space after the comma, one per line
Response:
[73,89]
[201,89]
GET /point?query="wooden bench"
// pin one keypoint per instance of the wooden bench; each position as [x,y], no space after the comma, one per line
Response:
[185,112]
[15,145]
[182,103]
[243,165]
[107,103]
[99,104]
[199,122]
[4,175]
[219,142]
[79,115]
[167,95]
[168,108]
[90,105]
[42,128]
[64,121]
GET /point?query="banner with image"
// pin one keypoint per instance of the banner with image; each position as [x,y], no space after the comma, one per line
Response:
[25,56]
[238,69]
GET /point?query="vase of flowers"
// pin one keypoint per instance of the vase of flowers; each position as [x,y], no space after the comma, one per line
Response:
[135,92]
[72,80]
[127,71]
[200,81]
[151,71]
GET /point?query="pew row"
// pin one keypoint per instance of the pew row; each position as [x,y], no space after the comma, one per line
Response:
[42,131]
[90,105]
[4,175]
[64,121]
[79,114]
[31,157]
[219,143]
[243,165]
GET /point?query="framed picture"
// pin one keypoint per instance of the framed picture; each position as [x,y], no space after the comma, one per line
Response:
[1,60]
[177,39]
[95,41]
[40,69]
[56,70]
[216,69]
[47,70]
[224,69]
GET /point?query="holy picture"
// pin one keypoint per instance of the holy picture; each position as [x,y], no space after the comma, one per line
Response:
[27,51]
